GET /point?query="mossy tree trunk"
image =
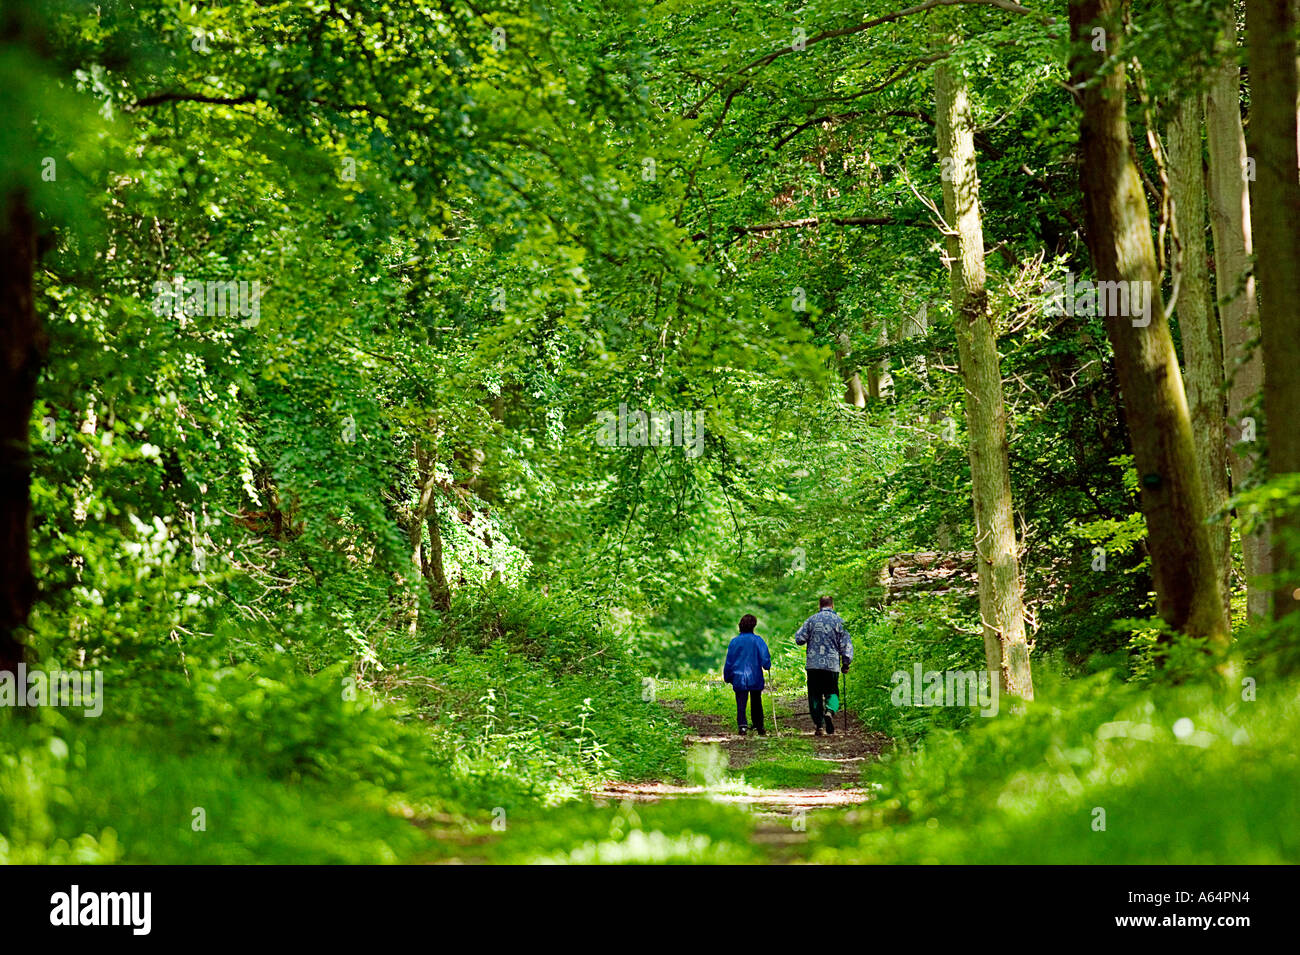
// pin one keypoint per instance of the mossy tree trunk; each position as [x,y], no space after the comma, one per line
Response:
[1001,604]
[1199,323]
[1189,594]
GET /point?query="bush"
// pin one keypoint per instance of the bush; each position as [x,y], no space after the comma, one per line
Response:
[1182,774]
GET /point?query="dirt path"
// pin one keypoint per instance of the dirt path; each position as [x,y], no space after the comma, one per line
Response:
[844,753]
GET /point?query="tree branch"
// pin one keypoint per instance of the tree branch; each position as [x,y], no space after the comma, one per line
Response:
[158,99]
[849,30]
[845,117]
[814,222]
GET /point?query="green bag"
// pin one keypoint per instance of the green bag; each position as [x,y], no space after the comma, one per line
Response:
[833,703]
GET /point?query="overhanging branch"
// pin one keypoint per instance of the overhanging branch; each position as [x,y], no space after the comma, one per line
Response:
[815,222]
[246,99]
[745,74]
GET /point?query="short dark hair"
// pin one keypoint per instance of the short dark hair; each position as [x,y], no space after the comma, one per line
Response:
[747,623]
[825,602]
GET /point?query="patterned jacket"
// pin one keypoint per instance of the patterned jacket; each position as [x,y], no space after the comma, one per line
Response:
[827,641]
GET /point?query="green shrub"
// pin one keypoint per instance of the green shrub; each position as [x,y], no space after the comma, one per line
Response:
[1183,774]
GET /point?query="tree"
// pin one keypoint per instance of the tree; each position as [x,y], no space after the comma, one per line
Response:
[1001,609]
[1188,592]
[1199,323]
[1270,30]
[23,344]
[1243,367]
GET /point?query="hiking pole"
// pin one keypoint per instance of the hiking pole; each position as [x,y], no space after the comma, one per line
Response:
[776,728]
[846,701]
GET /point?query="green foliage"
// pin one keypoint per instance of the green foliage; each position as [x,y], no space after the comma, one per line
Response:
[281,768]
[935,633]
[694,831]
[554,736]
[119,795]
[361,574]
[1185,775]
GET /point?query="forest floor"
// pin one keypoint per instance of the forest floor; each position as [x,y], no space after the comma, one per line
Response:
[780,778]
[1024,791]
[787,797]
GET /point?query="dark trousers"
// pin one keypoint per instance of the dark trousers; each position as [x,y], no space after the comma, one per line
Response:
[821,684]
[755,698]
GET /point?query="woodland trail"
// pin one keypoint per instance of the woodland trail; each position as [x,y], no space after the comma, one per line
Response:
[774,776]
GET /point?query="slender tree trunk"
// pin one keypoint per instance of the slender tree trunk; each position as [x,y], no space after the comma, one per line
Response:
[879,379]
[1243,368]
[1202,340]
[1005,648]
[1272,47]
[23,344]
[1188,592]
[439,589]
[918,325]
[430,564]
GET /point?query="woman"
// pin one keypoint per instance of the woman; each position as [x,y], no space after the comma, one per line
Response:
[747,658]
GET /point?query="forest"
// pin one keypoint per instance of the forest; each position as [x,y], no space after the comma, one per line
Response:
[405,404]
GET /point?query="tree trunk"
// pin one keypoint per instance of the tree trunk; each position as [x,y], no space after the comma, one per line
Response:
[1188,593]
[918,325]
[430,565]
[1202,340]
[854,393]
[24,344]
[439,589]
[1001,607]
[1271,46]
[1243,367]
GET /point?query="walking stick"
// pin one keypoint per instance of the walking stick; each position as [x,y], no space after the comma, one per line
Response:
[776,727]
[846,701]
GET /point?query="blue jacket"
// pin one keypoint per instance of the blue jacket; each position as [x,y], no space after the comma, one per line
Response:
[747,658]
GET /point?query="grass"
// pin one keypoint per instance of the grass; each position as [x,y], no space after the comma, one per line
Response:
[267,768]
[694,830]
[786,762]
[108,798]
[702,693]
[781,760]
[1095,772]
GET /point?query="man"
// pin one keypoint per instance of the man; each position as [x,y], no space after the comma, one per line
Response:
[830,650]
